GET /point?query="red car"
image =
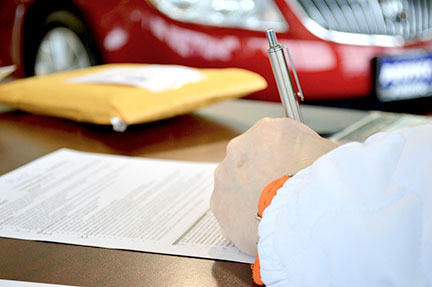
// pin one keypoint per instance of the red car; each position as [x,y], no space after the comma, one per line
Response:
[341,49]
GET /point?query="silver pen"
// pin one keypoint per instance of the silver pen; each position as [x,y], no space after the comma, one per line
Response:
[283,78]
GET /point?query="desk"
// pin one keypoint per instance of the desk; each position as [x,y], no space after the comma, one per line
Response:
[201,136]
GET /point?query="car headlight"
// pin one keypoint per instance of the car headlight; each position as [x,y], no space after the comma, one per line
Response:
[247,14]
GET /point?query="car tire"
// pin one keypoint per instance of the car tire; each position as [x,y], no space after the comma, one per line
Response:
[58,42]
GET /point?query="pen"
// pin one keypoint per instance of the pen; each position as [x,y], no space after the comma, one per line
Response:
[283,78]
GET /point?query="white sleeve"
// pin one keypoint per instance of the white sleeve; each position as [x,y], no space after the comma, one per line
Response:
[361,215]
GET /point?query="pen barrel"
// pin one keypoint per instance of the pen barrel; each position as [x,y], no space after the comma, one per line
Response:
[284,83]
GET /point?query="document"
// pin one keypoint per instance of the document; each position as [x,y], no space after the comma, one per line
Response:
[377,122]
[6,71]
[13,283]
[115,202]
[155,78]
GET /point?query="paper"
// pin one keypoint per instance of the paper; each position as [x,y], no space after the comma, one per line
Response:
[378,122]
[13,283]
[6,71]
[156,78]
[115,202]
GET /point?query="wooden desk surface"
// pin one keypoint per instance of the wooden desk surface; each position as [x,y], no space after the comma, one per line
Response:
[201,136]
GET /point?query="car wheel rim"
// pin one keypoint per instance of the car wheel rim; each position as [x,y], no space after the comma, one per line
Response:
[60,50]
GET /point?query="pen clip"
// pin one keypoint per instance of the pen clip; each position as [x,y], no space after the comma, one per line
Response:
[300,92]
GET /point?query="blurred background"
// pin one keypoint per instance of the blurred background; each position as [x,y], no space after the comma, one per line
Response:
[362,54]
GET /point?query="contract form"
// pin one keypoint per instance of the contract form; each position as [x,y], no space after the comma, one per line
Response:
[13,283]
[116,202]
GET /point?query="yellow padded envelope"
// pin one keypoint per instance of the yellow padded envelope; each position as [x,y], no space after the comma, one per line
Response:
[65,95]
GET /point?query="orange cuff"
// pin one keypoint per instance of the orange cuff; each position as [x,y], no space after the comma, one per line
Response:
[265,199]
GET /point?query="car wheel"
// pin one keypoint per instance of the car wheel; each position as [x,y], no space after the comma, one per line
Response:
[63,43]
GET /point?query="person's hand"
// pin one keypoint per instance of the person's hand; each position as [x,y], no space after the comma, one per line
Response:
[270,149]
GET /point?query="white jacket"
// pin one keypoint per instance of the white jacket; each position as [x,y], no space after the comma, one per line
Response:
[361,215]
